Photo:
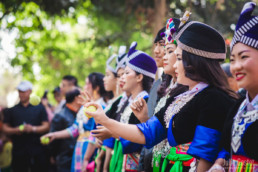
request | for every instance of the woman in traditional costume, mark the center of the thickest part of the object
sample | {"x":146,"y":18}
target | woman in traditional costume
{"x":110,"y":84}
{"x":161,"y":150}
{"x":137,"y":79}
{"x":194,"y":118}
{"x":82,"y":125}
{"x":240,"y":136}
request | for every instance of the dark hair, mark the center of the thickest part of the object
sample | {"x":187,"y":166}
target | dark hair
{"x":201,"y":69}
{"x":166,"y":80}
{"x":96,"y":80}
{"x":71,"y":79}
{"x":57,"y":90}
{"x":146,"y":82}
{"x":70,"y":95}
{"x":158,"y":36}
{"x":115,"y":74}
{"x":179,"y":89}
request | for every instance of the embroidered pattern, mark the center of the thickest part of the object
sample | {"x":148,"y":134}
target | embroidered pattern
{"x":73,"y":130}
{"x":81,"y":119}
{"x":162,"y":149}
{"x":183,"y":148}
{"x":131,"y":162}
{"x":242,"y":165}
{"x":161,"y":104}
{"x":127,"y":112}
{"x":78,"y":156}
{"x":239,"y":34}
{"x":242,"y":118}
{"x":126,"y":115}
{"x":122,"y":102}
{"x":176,"y":106}
{"x":201,"y":52}
{"x":247,"y":113}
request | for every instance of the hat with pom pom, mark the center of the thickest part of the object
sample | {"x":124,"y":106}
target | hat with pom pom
{"x":141,"y":62}
{"x":247,"y":27}
{"x":171,"y":28}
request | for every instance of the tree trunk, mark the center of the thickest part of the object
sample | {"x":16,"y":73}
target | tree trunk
{"x":159,"y":22}
{"x":160,"y":16}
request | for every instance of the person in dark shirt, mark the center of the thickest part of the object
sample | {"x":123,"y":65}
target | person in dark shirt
{"x":63,"y":149}
{"x":25,"y":124}
{"x":68,"y":83}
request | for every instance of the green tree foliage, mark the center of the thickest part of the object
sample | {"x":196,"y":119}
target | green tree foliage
{"x":72,"y":36}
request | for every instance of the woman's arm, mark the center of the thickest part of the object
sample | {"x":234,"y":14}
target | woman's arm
{"x":63,"y":134}
{"x":203,"y":165}
{"x":126,"y":131}
{"x":103,"y":133}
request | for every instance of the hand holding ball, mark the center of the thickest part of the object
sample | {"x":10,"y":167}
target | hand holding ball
{"x":89,"y":109}
{"x":34,"y":100}
{"x":21,"y":127}
{"x":44,"y":140}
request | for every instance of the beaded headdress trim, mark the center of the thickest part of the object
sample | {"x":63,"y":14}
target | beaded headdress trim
{"x":195,"y":51}
{"x":137,"y":69}
{"x":240,"y":37}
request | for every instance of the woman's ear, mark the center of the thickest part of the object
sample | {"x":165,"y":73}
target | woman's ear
{"x":139,"y":78}
{"x":97,"y":89}
{"x":95,"y":92}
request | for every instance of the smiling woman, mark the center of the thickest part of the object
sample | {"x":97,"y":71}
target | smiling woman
{"x":240,"y":131}
{"x":243,"y":64}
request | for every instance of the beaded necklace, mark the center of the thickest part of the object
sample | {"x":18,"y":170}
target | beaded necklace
{"x":127,"y":112}
{"x":161,"y":149}
{"x":180,"y":101}
{"x":247,"y":113}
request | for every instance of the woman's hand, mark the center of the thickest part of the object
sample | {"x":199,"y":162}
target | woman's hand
{"x":51,"y":136}
{"x":140,"y":109}
{"x":101,"y":133}
{"x":98,"y":143}
{"x":219,"y":165}
{"x":99,"y":115}
{"x":84,"y":98}
{"x":216,"y":168}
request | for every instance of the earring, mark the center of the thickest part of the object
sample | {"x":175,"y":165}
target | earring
{"x":94,"y":94}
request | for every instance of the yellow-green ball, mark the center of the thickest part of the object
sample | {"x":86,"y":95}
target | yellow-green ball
{"x":21,"y":127}
{"x":89,"y":109}
{"x":34,"y":100}
{"x":45,"y":140}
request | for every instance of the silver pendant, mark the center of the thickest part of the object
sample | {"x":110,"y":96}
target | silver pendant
{"x":235,"y":143}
